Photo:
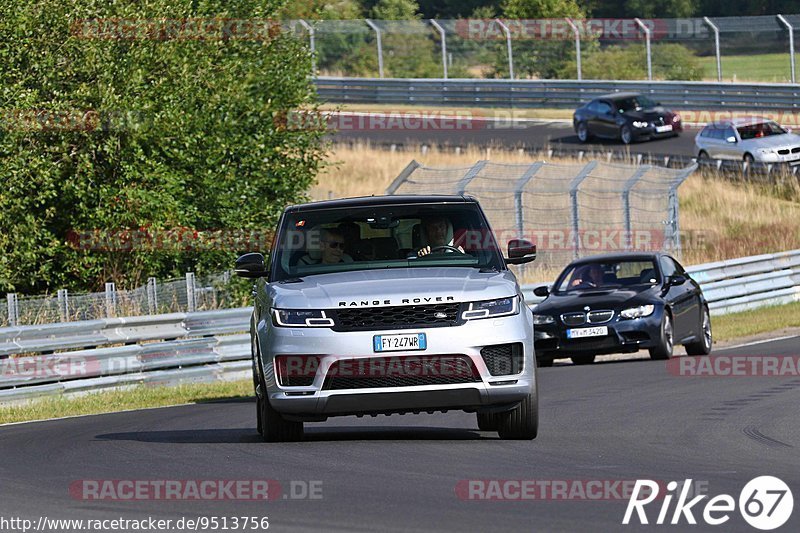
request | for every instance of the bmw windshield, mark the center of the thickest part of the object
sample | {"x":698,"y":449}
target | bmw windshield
{"x":320,"y":241}
{"x":607,"y":276}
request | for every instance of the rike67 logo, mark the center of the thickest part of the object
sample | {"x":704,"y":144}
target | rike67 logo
{"x":765,"y":503}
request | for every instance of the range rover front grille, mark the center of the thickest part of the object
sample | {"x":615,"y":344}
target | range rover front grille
{"x":382,"y":372}
{"x":396,"y":317}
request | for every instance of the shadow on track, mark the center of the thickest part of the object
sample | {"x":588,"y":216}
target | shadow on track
{"x":312,"y":434}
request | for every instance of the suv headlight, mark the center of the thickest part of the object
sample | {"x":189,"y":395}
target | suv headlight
{"x":638,"y":124}
{"x":301,"y":318}
{"x":540,"y":320}
{"x":638,"y":312}
{"x":492,"y":308}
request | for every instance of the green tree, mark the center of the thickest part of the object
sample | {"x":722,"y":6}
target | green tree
{"x":181,"y":132}
{"x":670,"y":62}
{"x":535,"y":9}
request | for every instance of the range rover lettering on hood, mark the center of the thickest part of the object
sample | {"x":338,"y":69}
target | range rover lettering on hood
{"x":408,"y":301}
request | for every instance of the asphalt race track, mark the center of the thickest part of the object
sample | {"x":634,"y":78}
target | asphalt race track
{"x":618,"y":420}
{"x":529,"y":134}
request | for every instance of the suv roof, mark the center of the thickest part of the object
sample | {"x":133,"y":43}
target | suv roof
{"x":366,"y":201}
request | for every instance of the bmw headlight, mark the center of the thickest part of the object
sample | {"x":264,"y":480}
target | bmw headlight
{"x":492,"y":308}
{"x":301,"y":318}
{"x":638,"y":312}
{"x":540,"y":320}
{"x":638,"y":124}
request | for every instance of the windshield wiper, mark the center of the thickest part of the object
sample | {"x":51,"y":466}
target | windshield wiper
{"x":292,"y":280}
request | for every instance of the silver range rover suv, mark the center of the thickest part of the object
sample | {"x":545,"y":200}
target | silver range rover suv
{"x":393,"y":304}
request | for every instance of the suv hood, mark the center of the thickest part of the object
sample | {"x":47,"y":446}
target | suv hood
{"x":387,"y":287}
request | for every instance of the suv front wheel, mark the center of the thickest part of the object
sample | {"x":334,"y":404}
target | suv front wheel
{"x":522,"y":422}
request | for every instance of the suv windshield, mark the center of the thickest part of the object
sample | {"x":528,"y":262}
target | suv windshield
{"x":634,"y":103}
{"x":762,"y":129}
{"x":609,"y":275}
{"x":319,"y":241}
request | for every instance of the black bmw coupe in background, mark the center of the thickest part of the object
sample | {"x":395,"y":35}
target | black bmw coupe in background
{"x":628,"y":117}
{"x":617,"y":303}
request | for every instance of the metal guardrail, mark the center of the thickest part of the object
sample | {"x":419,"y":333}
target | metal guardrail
{"x":212,"y":345}
{"x":567,"y":94}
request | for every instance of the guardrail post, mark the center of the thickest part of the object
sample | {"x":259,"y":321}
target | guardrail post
{"x":469,"y":176}
{"x":312,"y":45}
{"x":152,"y":296}
{"x":191,"y":304}
{"x":715,"y":29}
{"x":577,"y":47}
{"x":380,"y":45}
{"x":63,"y":305}
{"x":508,"y":48}
{"x":13,"y":309}
{"x":646,"y":32}
{"x":518,"y":190}
{"x":111,"y":299}
{"x":573,"y":195}
{"x":626,"y":203}
{"x":791,"y":42}
{"x":443,"y":36}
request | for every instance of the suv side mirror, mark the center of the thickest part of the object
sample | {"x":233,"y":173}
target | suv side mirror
{"x":541,"y":291}
{"x":520,"y":251}
{"x":250,"y":266}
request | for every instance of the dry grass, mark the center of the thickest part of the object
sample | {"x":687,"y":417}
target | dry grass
{"x":720,"y":219}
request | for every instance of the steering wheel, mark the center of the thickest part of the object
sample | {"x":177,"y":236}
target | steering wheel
{"x":446,"y":247}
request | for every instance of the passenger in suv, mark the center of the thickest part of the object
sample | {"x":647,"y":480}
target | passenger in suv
{"x":390,"y":331}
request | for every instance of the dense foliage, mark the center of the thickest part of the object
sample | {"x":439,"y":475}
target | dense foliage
{"x":112,"y":130}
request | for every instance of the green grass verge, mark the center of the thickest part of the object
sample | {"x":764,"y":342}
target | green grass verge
{"x":771,"y":68}
{"x":764,"y":320}
{"x":120,"y":400}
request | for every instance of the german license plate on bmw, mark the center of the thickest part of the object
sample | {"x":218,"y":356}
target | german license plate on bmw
{"x":664,"y":128}
{"x":399,"y":343}
{"x":599,"y":331}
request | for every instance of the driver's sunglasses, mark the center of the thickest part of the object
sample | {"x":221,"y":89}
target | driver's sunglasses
{"x":335,"y":244}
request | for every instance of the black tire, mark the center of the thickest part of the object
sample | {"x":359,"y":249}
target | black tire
{"x":665,"y":342}
{"x":521,"y":423}
{"x":582,"y":359}
{"x":488,"y":421}
{"x":626,"y":134}
{"x":703,"y":346}
{"x":703,"y":156}
{"x":749,"y":159}
{"x":544,"y":362}
{"x":582,"y":130}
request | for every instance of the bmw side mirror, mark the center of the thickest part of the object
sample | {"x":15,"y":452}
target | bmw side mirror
{"x":520,"y":251}
{"x":676,"y":280}
{"x":731,"y":139}
{"x":250,"y":266}
{"x":541,"y":291}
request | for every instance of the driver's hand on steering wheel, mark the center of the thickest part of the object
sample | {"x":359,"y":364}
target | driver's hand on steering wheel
{"x":425,"y":250}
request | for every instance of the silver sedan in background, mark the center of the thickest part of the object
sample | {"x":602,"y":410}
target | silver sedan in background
{"x":750,"y":139}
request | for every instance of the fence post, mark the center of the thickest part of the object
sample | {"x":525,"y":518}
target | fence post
{"x":312,"y":45}
{"x":380,"y":45}
{"x":152,"y":296}
{"x":715,"y":29}
{"x":577,"y":47}
{"x":508,"y":48}
{"x":673,"y":239}
{"x":443,"y":35}
{"x":63,"y":305}
{"x":518,"y":189}
{"x":646,"y":31}
{"x":191,"y":305}
{"x":111,"y":299}
{"x":791,"y":42}
{"x":403,"y":176}
{"x":13,"y":309}
{"x":573,"y":195}
{"x":626,"y":203}
{"x":469,"y":176}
